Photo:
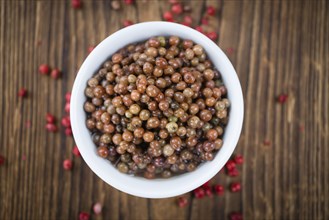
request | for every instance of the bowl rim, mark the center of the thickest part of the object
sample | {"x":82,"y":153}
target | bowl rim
{"x":156,"y":188}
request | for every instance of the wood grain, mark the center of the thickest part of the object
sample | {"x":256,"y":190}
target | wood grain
{"x":278,"y":47}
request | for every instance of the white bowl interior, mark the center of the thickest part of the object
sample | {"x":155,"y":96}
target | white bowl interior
{"x":138,"y":186}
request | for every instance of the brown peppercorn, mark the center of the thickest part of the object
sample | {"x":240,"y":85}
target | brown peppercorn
{"x":189,"y":78}
{"x":194,"y":109}
{"x":90,"y":123}
{"x":181,"y":85}
{"x":103,"y":151}
{"x":208,"y":74}
{"x":188,"y":92}
{"x":148,"y":136}
{"x":135,"y":95}
{"x":116,"y":139}
{"x":152,"y":91}
{"x":163,"y":105}
{"x":176,"y":143}
{"x":193,"y":122}
{"x":163,"y":134}
{"x":207,"y":92}
{"x":117,"y":101}
{"x":138,"y":132}
{"x":108,"y":128}
{"x":148,"y":68}
{"x":144,"y":115}
{"x":161,"y":83}
{"x":209,"y":156}
{"x":210,"y":101}
{"x":97,"y":101}
{"x":153,"y":42}
{"x":122,"y":167}
{"x":189,"y":54}
{"x":127,"y":136}
{"x":218,"y":144}
{"x":161,"y":62}
{"x":93,"y":82}
{"x":153,"y":122}
{"x":205,"y":115}
{"x":151,"y":52}
{"x":99,"y":91}
{"x":221,"y":114}
{"x":106,"y":118}
{"x":198,"y":50}
{"x":187,"y":44}
{"x":89,"y":107}
{"x":174,"y":40}
{"x":134,"y":109}
{"x":176,"y":77}
{"x":179,"y":97}
{"x":117,"y":58}
{"x":181,"y":131}
{"x":212,"y":134}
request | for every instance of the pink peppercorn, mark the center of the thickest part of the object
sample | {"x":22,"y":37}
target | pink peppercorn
{"x":266,"y":142}
{"x":2,"y":160}
{"x":76,"y":151}
{"x":28,"y":124}
{"x":199,"y":28}
{"x":68,"y":97}
{"x":188,"y":20}
{"x":230,"y":165}
{"x":219,"y":189}
{"x":206,"y":184}
{"x":84,"y":216}
{"x":67,"y":164}
{"x":50,"y":118}
{"x":229,"y":51}
{"x":55,"y":73}
{"x":199,"y":193}
{"x":186,"y":24}
{"x":204,"y":21}
{"x":168,"y":16}
{"x":234,"y":172}
{"x":177,"y":8}
{"x":51,"y":127}
{"x":91,"y":48}
{"x":97,"y":208}
{"x":282,"y":98}
{"x":76,"y":4}
{"x":212,"y":35}
{"x":129,"y":2}
{"x":127,"y":23}
{"x":238,"y":159}
{"x":68,"y":131}
{"x":44,"y":69}
{"x":208,"y":191}
{"x":67,"y":108}
{"x":182,"y":202}
{"x":66,"y":122}
{"x":236,"y":216}
{"x":235,"y":187}
{"x":173,"y":1}
{"x":211,"y":10}
{"x":22,"y":92}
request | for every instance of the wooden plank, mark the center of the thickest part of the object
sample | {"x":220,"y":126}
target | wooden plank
{"x":278,"y":47}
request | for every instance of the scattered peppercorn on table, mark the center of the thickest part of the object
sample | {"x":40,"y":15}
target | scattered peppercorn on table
{"x":279,"y":169}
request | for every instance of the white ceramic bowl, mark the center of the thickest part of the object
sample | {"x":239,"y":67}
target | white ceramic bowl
{"x":138,"y":186}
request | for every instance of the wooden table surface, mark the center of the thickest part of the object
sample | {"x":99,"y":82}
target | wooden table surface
{"x":276,"y":47}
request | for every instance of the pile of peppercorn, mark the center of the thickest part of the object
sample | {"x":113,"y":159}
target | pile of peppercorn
{"x":157,"y":108}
